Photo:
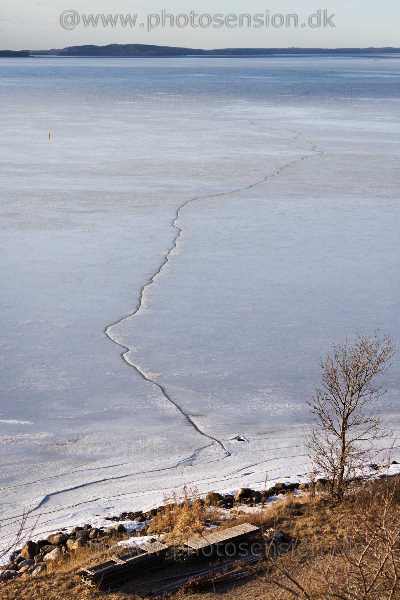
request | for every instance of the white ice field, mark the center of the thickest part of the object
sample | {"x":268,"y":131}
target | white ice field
{"x":220,"y":222}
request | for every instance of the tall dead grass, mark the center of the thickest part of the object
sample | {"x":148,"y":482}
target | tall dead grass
{"x":360,"y":562}
{"x":182,"y":516}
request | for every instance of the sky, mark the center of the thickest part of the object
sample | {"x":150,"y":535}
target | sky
{"x":43,"y":24}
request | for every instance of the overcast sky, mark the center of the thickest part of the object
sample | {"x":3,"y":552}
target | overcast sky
{"x":35,"y":24}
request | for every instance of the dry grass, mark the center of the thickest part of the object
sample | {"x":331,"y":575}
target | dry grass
{"x":62,"y":581}
{"x":182,"y":516}
{"x":351,"y":550}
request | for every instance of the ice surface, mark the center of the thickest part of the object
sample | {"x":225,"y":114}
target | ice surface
{"x":249,"y":215}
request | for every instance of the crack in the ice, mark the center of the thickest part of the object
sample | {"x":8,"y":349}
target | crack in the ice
{"x":9,"y":520}
{"x":126,"y":350}
{"x":50,"y":495}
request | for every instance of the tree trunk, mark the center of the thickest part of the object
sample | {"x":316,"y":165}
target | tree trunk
{"x":342,"y":464}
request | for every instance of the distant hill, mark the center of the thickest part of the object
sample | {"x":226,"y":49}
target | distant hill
{"x":14,"y":53}
{"x":147,"y":50}
{"x":123,"y":50}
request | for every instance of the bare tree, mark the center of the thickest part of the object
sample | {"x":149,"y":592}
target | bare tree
{"x":345,"y":430}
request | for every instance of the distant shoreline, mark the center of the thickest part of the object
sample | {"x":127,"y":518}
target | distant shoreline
{"x":145,"y":50}
{"x":15,"y":53}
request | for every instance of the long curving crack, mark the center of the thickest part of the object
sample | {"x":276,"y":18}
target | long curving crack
{"x":126,"y":350}
{"x":314,"y":151}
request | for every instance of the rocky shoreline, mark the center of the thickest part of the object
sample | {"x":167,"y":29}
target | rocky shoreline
{"x":36,"y":557}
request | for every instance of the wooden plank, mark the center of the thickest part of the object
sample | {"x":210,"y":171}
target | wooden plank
{"x":232,"y":569}
{"x":153,"y":547}
{"x":121,"y":566}
{"x":221,"y":537}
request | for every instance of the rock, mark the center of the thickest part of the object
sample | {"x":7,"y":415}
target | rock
{"x":257,"y":497}
{"x":227,"y":501}
{"x":139,"y":517}
{"x":46,"y":549}
{"x":26,"y":563}
{"x":119,"y":528}
{"x":57,"y":539}
{"x":101,"y":533}
{"x":53,"y":556}
{"x":83,"y":534}
{"x":15,"y":555}
{"x":8,"y":574}
{"x":244,"y":493}
{"x":394,"y":462}
{"x":213,"y":499}
{"x":150,"y":514}
{"x":94,"y":533}
{"x":29,"y":550}
{"x":304,"y":486}
{"x":38,"y":558}
{"x":76,"y":530}
{"x":280,"y":486}
{"x":39,"y":570}
{"x":74,"y":545}
{"x":292,"y":486}
{"x":24,"y":569}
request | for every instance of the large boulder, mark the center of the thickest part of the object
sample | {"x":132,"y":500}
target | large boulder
{"x":46,"y":549}
{"x":53,"y":556}
{"x":29,"y":550}
{"x":119,"y":528}
{"x":290,"y":487}
{"x":25,"y":569}
{"x":26,"y":563}
{"x":150,"y":514}
{"x":244,"y":494}
{"x":15,"y":555}
{"x":39,"y":570}
{"x":76,"y":530}
{"x":213,"y":499}
{"x":73,"y":545}
{"x":57,"y":539}
{"x":8,"y":574}
{"x":94,"y":533}
{"x":247,"y":496}
{"x":138,"y":516}
{"x":83,"y":534}
{"x":227,"y":501}
{"x":280,"y":486}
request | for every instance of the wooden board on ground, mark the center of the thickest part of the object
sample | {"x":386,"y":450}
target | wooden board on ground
{"x":120,"y":568}
{"x":224,"y":536}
